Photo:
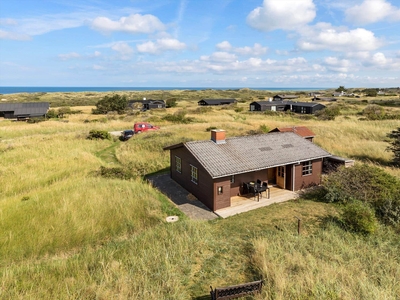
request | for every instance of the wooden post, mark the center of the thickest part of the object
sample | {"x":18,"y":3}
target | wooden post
{"x":298,"y":225}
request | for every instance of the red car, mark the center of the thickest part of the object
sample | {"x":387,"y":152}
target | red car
{"x":144,"y":126}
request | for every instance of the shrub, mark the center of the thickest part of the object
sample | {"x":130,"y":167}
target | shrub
{"x":395,"y":145}
{"x":115,"y":103}
{"x":99,"y":135}
{"x":178,"y":117}
{"x":171,"y":102}
{"x":374,"y":112}
{"x":328,"y":113}
{"x":359,"y":217}
{"x":388,"y":211}
{"x":115,"y":173}
{"x":361,"y":182}
{"x":239,"y":109}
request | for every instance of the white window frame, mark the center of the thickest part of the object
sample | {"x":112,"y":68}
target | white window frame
{"x":178,"y":164}
{"x":307,"y":168}
{"x":194,"y":174}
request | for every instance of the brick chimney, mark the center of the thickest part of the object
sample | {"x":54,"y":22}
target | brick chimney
{"x":218,"y":136}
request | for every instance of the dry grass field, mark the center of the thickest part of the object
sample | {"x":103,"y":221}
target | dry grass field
{"x":69,"y":233}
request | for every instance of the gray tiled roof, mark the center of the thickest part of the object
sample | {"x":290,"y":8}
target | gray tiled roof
{"x":252,"y":153}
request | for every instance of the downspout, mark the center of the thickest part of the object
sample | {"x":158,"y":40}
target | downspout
{"x":294,"y":177}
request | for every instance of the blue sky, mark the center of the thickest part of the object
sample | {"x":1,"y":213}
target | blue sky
{"x":200,"y":43}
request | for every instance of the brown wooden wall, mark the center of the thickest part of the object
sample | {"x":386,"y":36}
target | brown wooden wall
{"x":203,"y":190}
{"x":307,"y":180}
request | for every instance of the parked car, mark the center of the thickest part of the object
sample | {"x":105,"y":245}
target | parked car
{"x":144,"y":126}
{"x":127,"y":134}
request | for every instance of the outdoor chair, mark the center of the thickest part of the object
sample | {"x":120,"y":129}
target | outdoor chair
{"x":266,"y":188}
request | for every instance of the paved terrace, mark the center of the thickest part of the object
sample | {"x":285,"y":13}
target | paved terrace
{"x":196,"y":210}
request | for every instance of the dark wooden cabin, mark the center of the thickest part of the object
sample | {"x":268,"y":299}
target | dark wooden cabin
{"x":284,"y":97}
{"x":216,"y":101}
{"x":215,"y":170}
{"x":146,"y":104}
{"x":268,"y":105}
{"x":23,"y":110}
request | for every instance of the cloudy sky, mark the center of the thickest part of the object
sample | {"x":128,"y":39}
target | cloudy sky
{"x":200,"y":43}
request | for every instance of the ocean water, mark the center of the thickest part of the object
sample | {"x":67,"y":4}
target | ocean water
{"x":71,"y":89}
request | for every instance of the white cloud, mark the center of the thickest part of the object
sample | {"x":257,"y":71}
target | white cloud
{"x":224,"y":46}
{"x":219,"y":56}
{"x":8,"y":22}
{"x":160,"y":46}
{"x":71,"y":55}
{"x":371,"y":11}
{"x":256,"y":50}
{"x":123,"y":49}
{"x":338,"y":65}
{"x":134,"y":23}
{"x":74,"y":55}
{"x":98,"y":67}
{"x":324,"y":36}
{"x":282,"y":14}
{"x":6,"y":35}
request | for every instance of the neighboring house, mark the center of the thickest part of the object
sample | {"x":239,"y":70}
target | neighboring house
{"x":146,"y":104}
{"x":284,"y":97}
{"x":268,"y":105}
{"x":23,"y":110}
{"x":339,"y":94}
{"x":314,"y":94}
{"x":380,"y":93}
{"x":302,"y":131}
{"x":215,"y":170}
{"x":216,"y":101}
{"x":305,"y":107}
{"x":329,"y":99}
{"x":297,"y":107}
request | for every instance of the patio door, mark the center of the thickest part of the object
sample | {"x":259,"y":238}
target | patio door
{"x":281,"y":176}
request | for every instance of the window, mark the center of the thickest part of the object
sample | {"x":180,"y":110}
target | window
{"x":220,"y":190}
{"x":193,"y":174}
{"x":303,"y":110}
{"x":281,"y":172}
{"x":307,"y":168}
{"x":233,"y":179}
{"x":178,"y":164}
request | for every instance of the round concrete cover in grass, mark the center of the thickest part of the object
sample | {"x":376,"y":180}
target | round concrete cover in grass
{"x":171,"y":219}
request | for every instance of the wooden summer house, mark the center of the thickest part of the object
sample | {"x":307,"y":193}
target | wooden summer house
{"x":208,"y":102}
{"x":302,"y":131}
{"x":296,"y":107}
{"x":23,"y":110}
{"x":284,"y":97}
{"x":215,"y":170}
{"x":146,"y":104}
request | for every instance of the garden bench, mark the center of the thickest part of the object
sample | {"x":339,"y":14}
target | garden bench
{"x":236,"y":291}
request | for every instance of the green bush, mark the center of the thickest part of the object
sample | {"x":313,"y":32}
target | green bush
{"x":115,"y":173}
{"x":374,"y":112}
{"x":361,"y":182}
{"x":99,"y":135}
{"x":178,"y":117}
{"x":171,"y":102}
{"x":328,"y":113}
{"x":367,"y":184}
{"x":115,"y":103}
{"x":359,"y":217}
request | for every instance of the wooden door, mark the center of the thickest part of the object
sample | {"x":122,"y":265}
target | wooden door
{"x":281,"y":176}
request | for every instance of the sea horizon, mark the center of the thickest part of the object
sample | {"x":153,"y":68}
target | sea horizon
{"x":4,"y":90}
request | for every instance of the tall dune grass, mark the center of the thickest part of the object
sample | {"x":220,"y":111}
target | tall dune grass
{"x":330,"y":264}
{"x":67,"y":233}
